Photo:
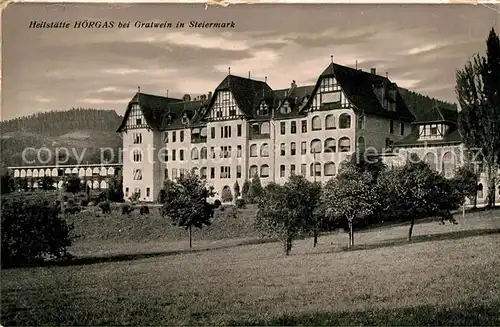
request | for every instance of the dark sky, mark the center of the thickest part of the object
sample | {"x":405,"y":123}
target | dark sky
{"x":421,"y":46}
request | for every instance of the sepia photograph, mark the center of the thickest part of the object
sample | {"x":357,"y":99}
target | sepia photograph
{"x":250,"y":165}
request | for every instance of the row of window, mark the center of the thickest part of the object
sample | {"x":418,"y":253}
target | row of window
{"x":137,"y":191}
{"x":316,"y":146}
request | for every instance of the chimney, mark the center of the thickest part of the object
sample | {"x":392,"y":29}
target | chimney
{"x":373,"y":71}
{"x":209,"y":94}
{"x":186,"y":98}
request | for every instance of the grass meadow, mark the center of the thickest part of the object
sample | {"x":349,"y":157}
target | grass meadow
{"x":139,"y":270}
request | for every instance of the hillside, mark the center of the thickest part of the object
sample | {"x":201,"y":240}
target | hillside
{"x":82,"y":131}
{"x":418,"y":103}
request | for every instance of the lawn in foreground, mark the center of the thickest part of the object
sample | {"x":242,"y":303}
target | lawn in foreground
{"x":454,"y":280}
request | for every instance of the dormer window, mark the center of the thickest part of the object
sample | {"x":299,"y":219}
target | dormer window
{"x":263,"y":109}
{"x":285,"y":108}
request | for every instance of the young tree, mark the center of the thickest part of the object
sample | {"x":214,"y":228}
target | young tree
{"x":349,"y":196}
{"x":186,"y":203}
{"x":236,"y":188}
{"x":478,"y":91}
{"x":287,"y":211}
{"x":465,"y":182}
{"x":114,"y":193}
{"x":255,"y":190}
{"x":245,"y":188}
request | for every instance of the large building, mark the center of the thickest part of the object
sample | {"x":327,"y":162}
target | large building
{"x":245,"y":128}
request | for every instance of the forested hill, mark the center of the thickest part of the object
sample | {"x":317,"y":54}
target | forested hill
{"x":419,"y":103}
{"x":55,"y":123}
{"x":82,"y":131}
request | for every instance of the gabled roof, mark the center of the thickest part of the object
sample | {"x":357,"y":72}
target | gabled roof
{"x":358,"y":88}
{"x":153,"y":108}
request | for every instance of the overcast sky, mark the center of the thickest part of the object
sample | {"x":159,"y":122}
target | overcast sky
{"x":420,"y":46}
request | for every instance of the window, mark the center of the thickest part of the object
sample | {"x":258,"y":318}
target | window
{"x":126,"y":191}
{"x":203,"y":172}
{"x":316,"y":123}
{"x":264,"y":171}
{"x":329,"y":169}
{"x":282,"y":149}
{"x":174,"y":172}
{"x":203,"y":132}
{"x":361,"y":121}
{"x":293,"y":127}
{"x":303,"y":147}
{"x":434,"y":130}
{"x":264,"y":150}
{"x":238,"y":130}
{"x":345,"y":121}
{"x":212,"y":172}
{"x":212,"y":132}
{"x":330,"y":145}
{"x":329,"y":122}
{"x":181,"y":136}
{"x":292,"y":169}
{"x":181,"y":155}
{"x":137,"y":191}
{"x":315,"y":146}
{"x":345,"y":144}
{"x":212,"y":152}
{"x":255,"y":129}
{"x":181,"y":172}
{"x":331,"y":97}
{"x":303,"y":169}
{"x":253,"y":150}
{"x":173,"y":155}
{"x":283,"y":127}
{"x":282,"y":171}
{"x":430,"y":159}
{"x":225,"y":152}
{"x":137,"y":138}
{"x":138,"y":121}
{"x":148,"y":191}
{"x":195,"y":171}
{"x":137,"y":174}
{"x":480,"y":191}
{"x":194,"y":154}
{"x":263,"y":109}
{"x":449,"y":164}
{"x":173,"y":136}
{"x":303,"y":126}
{"x":225,"y":132}
{"x":165,"y":174}
{"x":225,"y":172}
{"x":165,"y":137}
{"x":203,"y":153}
{"x":316,"y":169}
{"x":264,"y":128}
{"x":293,"y":148}
{"x":391,"y":127}
{"x":238,"y":151}
{"x":253,"y":171}
{"x":238,"y":171}
{"x":361,"y":144}
{"x":402,"y":129}
{"x":137,"y":156}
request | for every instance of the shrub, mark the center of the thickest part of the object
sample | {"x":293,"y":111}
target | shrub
{"x":126,"y":209}
{"x":105,"y":207}
{"x":226,"y":195}
{"x":144,"y":210}
{"x":217,"y":203}
{"x":84,"y":203}
{"x":240,"y":203}
{"x":31,"y":231}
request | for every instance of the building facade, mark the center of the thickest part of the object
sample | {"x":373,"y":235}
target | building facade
{"x":436,"y":140}
{"x":245,"y":128}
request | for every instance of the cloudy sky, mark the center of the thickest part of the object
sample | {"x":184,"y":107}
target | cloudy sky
{"x":420,"y":46}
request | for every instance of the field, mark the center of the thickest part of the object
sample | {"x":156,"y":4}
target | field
{"x":147,"y":275}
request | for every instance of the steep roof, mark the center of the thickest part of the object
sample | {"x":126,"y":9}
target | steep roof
{"x":153,"y":108}
{"x":246,"y":92}
{"x":358,"y":88}
{"x":437,"y":115}
{"x":453,"y":136}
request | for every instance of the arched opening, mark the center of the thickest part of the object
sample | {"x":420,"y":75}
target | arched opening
{"x":345,"y":121}
{"x":330,"y":122}
{"x":361,"y":144}
{"x":104,"y":185}
{"x":329,"y":168}
{"x":81,"y":172}
{"x":480,"y":193}
{"x":315,"y":169}
{"x":264,"y":150}
{"x":35,"y":172}
{"x":345,"y":144}
{"x":449,"y":164}
{"x":194,"y":154}
{"x":264,"y":128}
{"x":330,"y":145}
{"x":316,"y":146}
{"x":252,"y":171}
{"x":430,"y":159}
{"x":316,"y":123}
{"x":264,"y":171}
{"x":253,"y":150}
{"x":88,"y":172}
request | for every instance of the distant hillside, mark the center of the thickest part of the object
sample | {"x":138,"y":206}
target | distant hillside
{"x":418,"y":103}
{"x":82,"y":131}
